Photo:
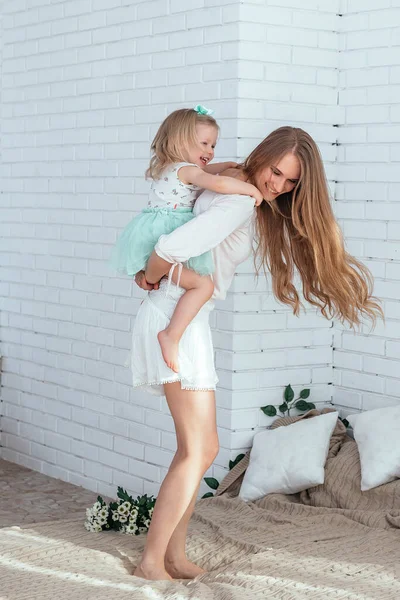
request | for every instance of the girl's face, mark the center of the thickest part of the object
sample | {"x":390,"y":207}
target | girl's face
{"x":203,"y":152}
{"x":279,"y":178}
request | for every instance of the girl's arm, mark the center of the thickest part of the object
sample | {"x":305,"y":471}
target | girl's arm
{"x":216,"y":168}
{"x":219,"y":184}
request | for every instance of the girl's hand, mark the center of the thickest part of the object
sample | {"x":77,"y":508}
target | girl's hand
{"x":257,"y":195}
{"x":141,"y":281}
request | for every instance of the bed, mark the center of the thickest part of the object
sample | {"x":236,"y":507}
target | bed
{"x":329,"y":542}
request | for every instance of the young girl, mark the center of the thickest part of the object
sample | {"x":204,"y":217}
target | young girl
{"x":182,"y":149}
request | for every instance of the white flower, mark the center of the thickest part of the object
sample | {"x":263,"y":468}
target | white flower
{"x":126,"y":504}
{"x":89,"y":512}
{"x":92,"y":527}
{"x":123,"y":519}
{"x":115,"y":515}
{"x":151,"y":511}
{"x":147,"y":522}
{"x":142,"y":529}
{"x":102,"y":520}
{"x":122,"y":510}
{"x":104,"y":512}
{"x":96,"y":506}
{"x":131,"y":528}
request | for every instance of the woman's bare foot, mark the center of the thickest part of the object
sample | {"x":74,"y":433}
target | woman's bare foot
{"x":152,"y":572}
{"x":183,"y":569}
{"x":169,"y":349}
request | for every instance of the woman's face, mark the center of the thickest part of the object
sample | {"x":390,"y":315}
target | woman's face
{"x":279,"y":178}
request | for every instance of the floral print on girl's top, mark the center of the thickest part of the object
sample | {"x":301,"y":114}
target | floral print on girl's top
{"x":169,"y":192}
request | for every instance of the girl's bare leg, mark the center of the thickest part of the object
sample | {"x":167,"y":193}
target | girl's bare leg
{"x":197,"y":445}
{"x":199,"y":290}
{"x":156,"y":268}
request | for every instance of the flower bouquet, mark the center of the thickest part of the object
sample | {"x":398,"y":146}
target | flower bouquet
{"x":126,"y":514}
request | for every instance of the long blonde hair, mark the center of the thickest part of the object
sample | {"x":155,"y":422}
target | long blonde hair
{"x":298,"y":229}
{"x":174,"y":137}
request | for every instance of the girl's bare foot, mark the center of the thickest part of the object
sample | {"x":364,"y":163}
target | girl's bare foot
{"x":152,"y":572}
{"x":169,"y":349}
{"x":183,"y":569}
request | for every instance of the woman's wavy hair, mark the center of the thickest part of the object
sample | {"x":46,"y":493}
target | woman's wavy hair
{"x":176,"y":134}
{"x":298,"y":229}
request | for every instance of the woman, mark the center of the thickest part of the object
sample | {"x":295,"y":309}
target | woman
{"x":294,"y":227}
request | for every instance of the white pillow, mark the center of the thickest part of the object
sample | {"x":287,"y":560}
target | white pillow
{"x":377,"y":433}
{"x":288,"y":459}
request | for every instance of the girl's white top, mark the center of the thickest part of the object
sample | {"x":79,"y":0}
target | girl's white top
{"x":169,"y":191}
{"x":223,"y":224}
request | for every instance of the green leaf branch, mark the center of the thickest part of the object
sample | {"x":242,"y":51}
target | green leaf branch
{"x":289,"y":403}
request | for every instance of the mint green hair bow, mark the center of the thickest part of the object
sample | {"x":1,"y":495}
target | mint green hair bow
{"x":202,"y":110}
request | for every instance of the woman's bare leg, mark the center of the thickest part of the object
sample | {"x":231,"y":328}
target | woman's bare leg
{"x":176,"y":561}
{"x":194,"y":416}
{"x":199,"y":290}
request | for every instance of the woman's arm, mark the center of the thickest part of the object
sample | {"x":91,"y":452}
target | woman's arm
{"x":207,"y":230}
{"x":219,"y":184}
{"x":217,"y":168}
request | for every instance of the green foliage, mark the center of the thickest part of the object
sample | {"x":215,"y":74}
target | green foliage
{"x":289,"y":403}
{"x":288,"y":394}
{"x":303,"y":406}
{"x":211,"y":482}
{"x":269,"y":410}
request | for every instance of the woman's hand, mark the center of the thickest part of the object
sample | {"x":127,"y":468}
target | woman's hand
{"x":141,"y":281}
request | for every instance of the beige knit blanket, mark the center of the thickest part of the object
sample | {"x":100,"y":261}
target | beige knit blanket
{"x":279,"y":547}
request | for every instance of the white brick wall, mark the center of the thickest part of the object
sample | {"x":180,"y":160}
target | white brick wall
{"x":367,"y":199}
{"x":288,"y":74}
{"x":84,"y":88}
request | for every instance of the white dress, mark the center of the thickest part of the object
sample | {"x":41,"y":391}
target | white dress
{"x":170,"y":206}
{"x":223,"y":224}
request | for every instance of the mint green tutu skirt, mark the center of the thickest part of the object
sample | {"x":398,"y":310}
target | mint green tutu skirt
{"x":137,"y":241}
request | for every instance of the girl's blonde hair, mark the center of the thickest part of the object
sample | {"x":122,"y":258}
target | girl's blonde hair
{"x":298,"y":229}
{"x":176,"y":134}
